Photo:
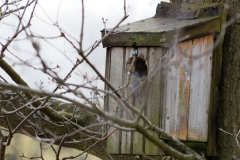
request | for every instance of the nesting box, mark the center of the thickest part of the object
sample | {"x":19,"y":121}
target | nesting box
{"x":184,"y":65}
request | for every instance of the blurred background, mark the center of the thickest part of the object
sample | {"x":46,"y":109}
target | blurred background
{"x":68,"y":16}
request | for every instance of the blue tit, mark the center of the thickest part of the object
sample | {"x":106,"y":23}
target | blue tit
{"x":135,"y":84}
{"x":139,"y":72}
{"x":134,"y":52}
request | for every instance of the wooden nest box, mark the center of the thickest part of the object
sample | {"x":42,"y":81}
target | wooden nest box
{"x":182,"y":49}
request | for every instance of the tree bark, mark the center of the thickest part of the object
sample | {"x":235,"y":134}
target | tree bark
{"x":3,"y":140}
{"x":229,"y":90}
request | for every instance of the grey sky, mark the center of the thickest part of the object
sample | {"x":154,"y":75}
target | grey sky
{"x":68,"y":16}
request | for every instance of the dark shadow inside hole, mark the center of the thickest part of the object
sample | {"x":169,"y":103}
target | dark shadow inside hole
{"x":140,"y":66}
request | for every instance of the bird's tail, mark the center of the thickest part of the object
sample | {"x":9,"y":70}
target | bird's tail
{"x":135,"y":85}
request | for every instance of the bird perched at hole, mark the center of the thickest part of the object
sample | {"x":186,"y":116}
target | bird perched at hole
{"x":138,"y":70}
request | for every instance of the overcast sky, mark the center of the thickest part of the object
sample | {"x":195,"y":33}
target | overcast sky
{"x":68,"y":16}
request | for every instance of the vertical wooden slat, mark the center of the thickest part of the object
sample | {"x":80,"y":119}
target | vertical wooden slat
{"x":200,"y":88}
{"x":153,"y":104}
{"x":216,"y":75}
{"x":107,"y":76}
{"x":171,"y":92}
{"x":178,"y":88}
{"x":137,"y":137}
{"x":126,"y":135}
{"x":116,"y":81}
{"x":163,"y":96}
{"x":179,"y":96}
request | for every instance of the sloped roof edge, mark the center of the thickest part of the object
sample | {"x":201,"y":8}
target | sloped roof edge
{"x":167,"y":22}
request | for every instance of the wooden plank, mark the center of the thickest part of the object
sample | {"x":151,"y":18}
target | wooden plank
{"x":191,"y":144}
{"x":163,"y":96}
{"x":107,"y":76}
{"x":137,"y":137}
{"x":126,"y":135}
{"x":134,"y":157}
{"x":153,"y":104}
{"x":200,"y":89}
{"x":163,"y":25}
{"x":171,"y":92}
{"x":216,"y":75}
{"x":178,"y":88}
{"x":155,"y":36}
{"x":116,"y":80}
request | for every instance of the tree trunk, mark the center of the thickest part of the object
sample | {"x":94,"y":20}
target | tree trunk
{"x":229,"y":88}
{"x":229,"y":109}
{"x":3,"y":140}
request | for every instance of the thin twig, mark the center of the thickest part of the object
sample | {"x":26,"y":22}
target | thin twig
{"x":82,"y":28}
{"x":60,"y":146}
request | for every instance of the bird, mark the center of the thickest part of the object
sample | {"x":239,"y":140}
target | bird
{"x":139,"y":71}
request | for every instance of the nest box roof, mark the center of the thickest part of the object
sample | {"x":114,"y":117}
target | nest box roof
{"x":171,"y":23}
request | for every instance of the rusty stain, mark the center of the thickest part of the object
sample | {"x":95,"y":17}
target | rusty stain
{"x":179,"y":128}
{"x":184,"y":92}
{"x":189,"y":55}
{"x":184,"y":46}
{"x":174,"y":63}
{"x":184,"y":105}
{"x":182,"y":75}
{"x":189,"y":62}
{"x":200,"y":89}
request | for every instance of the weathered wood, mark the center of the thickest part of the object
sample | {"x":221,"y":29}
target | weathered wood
{"x":171,"y":93}
{"x":178,"y":87}
{"x":137,"y":137}
{"x":163,"y":112}
{"x":200,"y":88}
{"x":199,"y":147}
{"x":142,"y":157}
{"x":214,"y":101}
{"x":216,"y":74}
{"x":179,"y":97}
{"x":163,"y":35}
{"x":161,"y":24}
{"x":107,"y":76}
{"x":126,"y":135}
{"x":153,"y":104}
{"x":113,"y":145}
{"x":182,"y":99}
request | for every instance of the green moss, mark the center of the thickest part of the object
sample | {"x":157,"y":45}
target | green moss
{"x":163,"y":39}
{"x":11,"y":72}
